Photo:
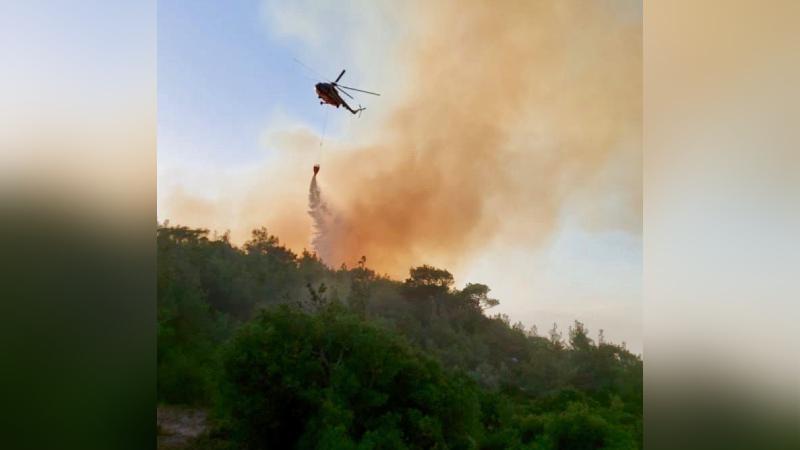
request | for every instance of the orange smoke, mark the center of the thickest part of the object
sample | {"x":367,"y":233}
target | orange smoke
{"x":517,"y":113}
{"x":512,"y":109}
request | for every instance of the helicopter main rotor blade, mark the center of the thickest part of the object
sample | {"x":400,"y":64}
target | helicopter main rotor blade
{"x":339,"y":77}
{"x":312,"y":70}
{"x":359,"y":90}
{"x":343,"y":92}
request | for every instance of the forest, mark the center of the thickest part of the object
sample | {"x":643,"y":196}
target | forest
{"x":285,"y":352}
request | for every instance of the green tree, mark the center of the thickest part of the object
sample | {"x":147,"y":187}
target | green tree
{"x":477,"y":296}
{"x":330,"y":380}
{"x":405,"y":364}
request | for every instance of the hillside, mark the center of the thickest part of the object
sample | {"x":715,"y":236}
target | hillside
{"x":286,"y":351}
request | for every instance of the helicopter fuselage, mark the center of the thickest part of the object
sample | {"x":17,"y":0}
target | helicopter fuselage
{"x":327,"y":93}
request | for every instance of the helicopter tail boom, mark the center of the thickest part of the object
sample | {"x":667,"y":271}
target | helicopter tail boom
{"x":354,"y":111}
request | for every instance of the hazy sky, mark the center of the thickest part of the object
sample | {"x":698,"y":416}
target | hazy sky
{"x":506,"y":145}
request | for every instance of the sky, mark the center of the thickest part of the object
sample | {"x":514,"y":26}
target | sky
{"x":505,"y":145}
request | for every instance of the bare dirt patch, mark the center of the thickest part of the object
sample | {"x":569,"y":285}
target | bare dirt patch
{"x":178,"y":426}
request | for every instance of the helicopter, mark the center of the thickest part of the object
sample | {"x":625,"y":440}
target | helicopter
{"x":329,"y":93}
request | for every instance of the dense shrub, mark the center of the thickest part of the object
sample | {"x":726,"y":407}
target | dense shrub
{"x":295,"y":354}
{"x":330,"y":380}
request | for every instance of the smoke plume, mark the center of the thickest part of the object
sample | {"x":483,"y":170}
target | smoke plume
{"x":511,"y":117}
{"x":513,"y":112}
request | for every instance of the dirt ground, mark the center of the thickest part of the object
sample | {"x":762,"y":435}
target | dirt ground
{"x":178,"y":426}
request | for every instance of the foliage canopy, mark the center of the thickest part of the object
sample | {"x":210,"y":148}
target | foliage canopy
{"x":293,"y":354}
